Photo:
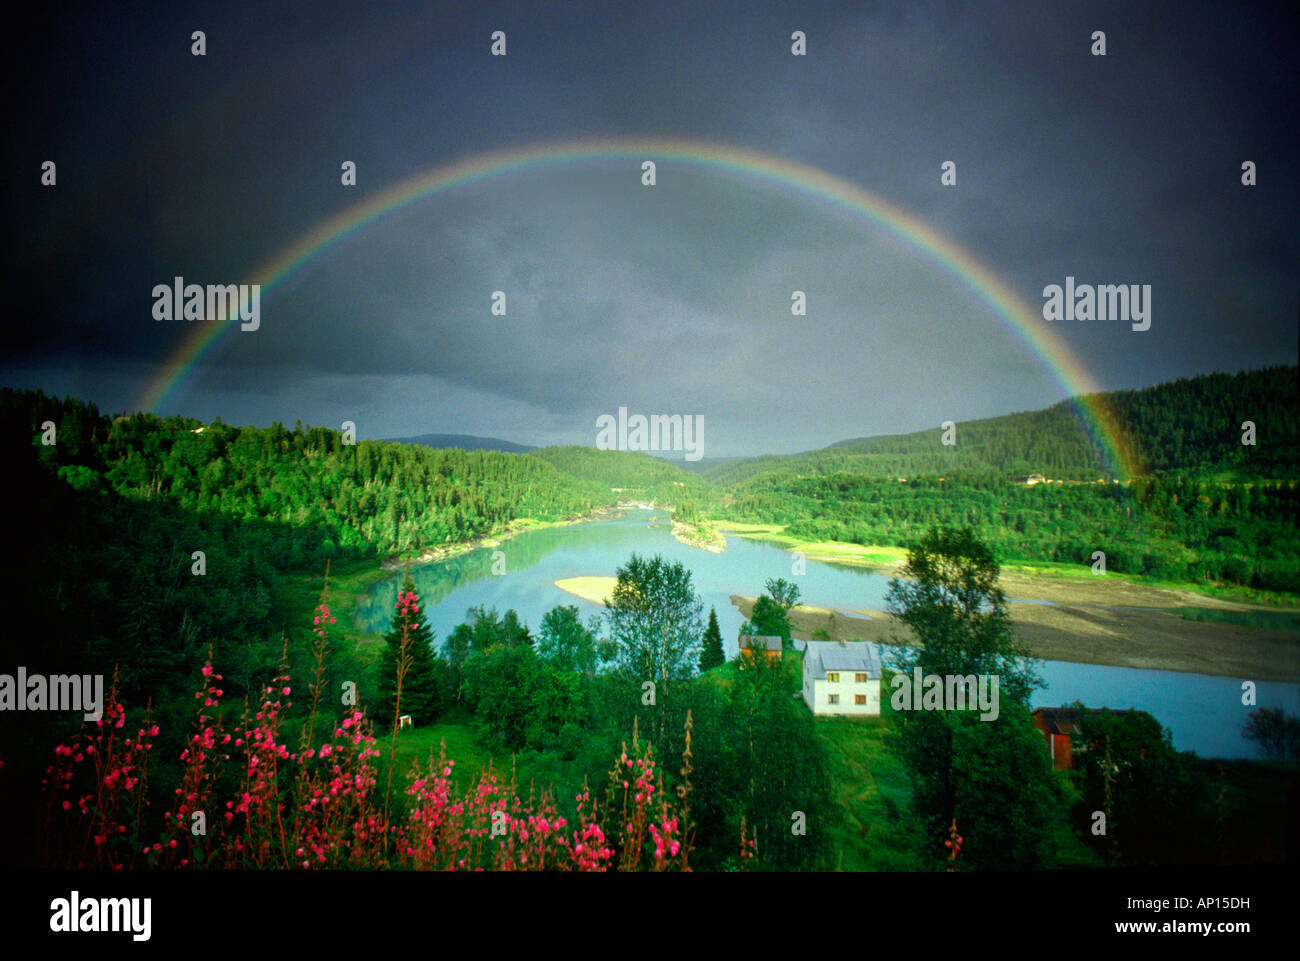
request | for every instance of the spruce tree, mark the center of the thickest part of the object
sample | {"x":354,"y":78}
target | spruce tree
{"x":421,"y":690}
{"x":712,"y":654}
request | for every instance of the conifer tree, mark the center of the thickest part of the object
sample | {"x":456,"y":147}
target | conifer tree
{"x":712,"y":655}
{"x":421,"y":690}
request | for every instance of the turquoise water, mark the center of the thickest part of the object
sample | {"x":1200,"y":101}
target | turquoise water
{"x":535,"y":560}
{"x":1204,"y":713}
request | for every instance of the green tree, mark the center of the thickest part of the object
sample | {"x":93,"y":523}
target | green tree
{"x":502,"y":685}
{"x":951,"y":600}
{"x":991,"y":776}
{"x":1276,"y":732}
{"x":654,"y":619}
{"x":514,"y":631}
{"x":565,"y":642}
{"x":783,"y":592}
{"x":1156,"y":805}
{"x":777,"y":770}
{"x":1004,"y":793}
{"x":712,"y":654}
{"x":410,"y":638}
{"x":769,"y":618}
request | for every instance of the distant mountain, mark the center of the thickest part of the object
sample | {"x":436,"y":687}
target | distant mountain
{"x":464,"y":442}
{"x":1192,"y":425}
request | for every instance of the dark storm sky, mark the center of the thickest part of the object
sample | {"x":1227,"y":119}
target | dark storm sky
{"x":1117,"y":169}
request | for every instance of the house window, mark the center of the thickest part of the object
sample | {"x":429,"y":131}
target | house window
{"x":832,"y":699}
{"x":860,"y":677}
{"x":833,"y":676}
{"x":859,"y":699}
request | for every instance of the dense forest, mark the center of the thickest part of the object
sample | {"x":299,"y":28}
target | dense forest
{"x":1188,"y":426}
{"x":1169,"y":527}
{"x":1206,"y":507}
{"x":639,"y":477}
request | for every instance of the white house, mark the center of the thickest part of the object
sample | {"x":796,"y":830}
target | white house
{"x":841,"y":677}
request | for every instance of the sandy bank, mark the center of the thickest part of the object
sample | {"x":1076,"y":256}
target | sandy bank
{"x":594,"y":589}
{"x":1090,"y":635}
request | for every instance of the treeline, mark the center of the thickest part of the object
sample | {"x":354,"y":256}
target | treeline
{"x":1168,"y":527}
{"x":133,"y":575}
{"x":1192,"y":426}
{"x":375,"y":495}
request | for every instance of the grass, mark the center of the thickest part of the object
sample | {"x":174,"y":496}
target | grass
{"x":538,"y":769}
{"x":876,"y":831}
{"x":1066,"y":850}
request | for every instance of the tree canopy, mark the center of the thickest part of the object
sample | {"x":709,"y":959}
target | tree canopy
{"x":654,"y":619}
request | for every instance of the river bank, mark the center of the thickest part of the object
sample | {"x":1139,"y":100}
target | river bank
{"x":1120,"y":637}
{"x":1056,"y":584}
{"x":520,"y":525}
{"x":702,"y":536}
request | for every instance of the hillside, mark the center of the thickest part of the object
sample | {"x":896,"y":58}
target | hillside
{"x":464,"y":442}
{"x":635,"y":476}
{"x":1190,"y":426}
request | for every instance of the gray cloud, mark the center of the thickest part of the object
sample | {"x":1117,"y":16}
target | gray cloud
{"x":677,"y":298}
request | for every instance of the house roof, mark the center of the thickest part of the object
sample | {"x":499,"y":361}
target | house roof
{"x":760,"y":642}
{"x":1065,"y":720}
{"x":1059,"y":720}
{"x":822,"y":656}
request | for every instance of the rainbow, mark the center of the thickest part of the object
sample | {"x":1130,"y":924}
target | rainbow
{"x":798,"y":179}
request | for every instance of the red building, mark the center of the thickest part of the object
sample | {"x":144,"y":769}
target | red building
{"x":1057,"y":724}
{"x":768,"y":644}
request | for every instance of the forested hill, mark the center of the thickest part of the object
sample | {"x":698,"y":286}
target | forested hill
{"x":1190,"y":426}
{"x":464,"y":442}
{"x":638,"y":476}
{"x":114,"y":518}
{"x":374,"y":496}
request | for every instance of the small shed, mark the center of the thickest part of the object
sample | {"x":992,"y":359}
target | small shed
{"x":769,"y":644}
{"x":1057,"y":724}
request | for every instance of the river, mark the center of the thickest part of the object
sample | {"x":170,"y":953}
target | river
{"x":1203,"y":713}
